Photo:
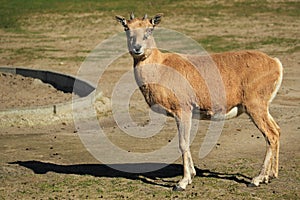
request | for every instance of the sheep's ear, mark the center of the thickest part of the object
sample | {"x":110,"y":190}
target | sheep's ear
{"x":145,"y":17}
{"x":131,"y":16}
{"x":122,"y":20}
{"x":156,"y":19}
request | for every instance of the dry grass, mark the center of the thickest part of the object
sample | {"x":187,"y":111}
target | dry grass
{"x":51,"y":162}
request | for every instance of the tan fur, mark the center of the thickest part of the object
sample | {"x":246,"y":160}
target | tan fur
{"x":250,"y":80}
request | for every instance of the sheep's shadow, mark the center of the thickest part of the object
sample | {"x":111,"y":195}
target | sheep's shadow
{"x":102,"y":170}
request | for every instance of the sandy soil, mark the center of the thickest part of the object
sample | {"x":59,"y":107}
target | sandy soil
{"x":17,"y":91}
{"x":50,"y":162}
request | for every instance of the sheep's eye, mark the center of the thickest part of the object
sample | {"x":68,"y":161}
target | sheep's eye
{"x":148,"y":33}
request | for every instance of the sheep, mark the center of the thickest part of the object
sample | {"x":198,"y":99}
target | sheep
{"x":250,"y":79}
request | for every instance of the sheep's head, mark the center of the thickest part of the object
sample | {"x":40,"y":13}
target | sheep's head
{"x":139,"y":34}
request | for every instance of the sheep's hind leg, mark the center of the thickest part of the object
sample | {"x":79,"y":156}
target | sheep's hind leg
{"x":265,"y":124}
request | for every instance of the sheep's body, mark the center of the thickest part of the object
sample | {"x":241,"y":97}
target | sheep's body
{"x":242,"y":73}
{"x":218,"y":85}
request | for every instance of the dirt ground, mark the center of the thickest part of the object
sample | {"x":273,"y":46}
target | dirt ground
{"x":50,"y":161}
{"x":17,"y":91}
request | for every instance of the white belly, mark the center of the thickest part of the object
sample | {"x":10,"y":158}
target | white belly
{"x":234,"y":112}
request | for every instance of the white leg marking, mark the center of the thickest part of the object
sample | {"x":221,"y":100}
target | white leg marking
{"x":264,"y":174}
{"x":184,"y":127}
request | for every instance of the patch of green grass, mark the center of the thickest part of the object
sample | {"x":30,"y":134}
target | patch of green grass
{"x":13,"y":11}
{"x":214,"y":43}
{"x":291,"y":44}
{"x":280,"y":41}
{"x":247,"y":8}
{"x":88,"y":182}
{"x":290,"y":8}
{"x":39,"y":52}
{"x":294,"y":49}
{"x":50,"y":187}
{"x":71,"y":58}
{"x":237,"y":8}
{"x":251,"y":7}
{"x":28,"y":53}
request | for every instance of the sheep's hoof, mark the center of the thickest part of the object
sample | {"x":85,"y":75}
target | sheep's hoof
{"x":252,"y":185}
{"x":178,"y":188}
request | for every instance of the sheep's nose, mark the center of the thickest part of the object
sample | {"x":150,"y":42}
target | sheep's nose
{"x":137,"y":49}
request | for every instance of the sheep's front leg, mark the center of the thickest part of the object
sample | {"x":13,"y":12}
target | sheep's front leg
{"x":184,"y":127}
